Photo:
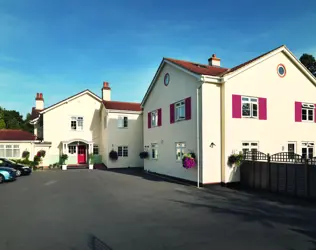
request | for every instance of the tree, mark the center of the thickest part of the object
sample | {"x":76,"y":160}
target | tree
{"x":12,"y":119}
{"x":309,"y":62}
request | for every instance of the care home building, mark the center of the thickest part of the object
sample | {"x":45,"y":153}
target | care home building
{"x":265,"y":104}
{"x":85,"y":124}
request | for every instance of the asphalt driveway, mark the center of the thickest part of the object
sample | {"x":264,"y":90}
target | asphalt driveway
{"x":101,"y":210}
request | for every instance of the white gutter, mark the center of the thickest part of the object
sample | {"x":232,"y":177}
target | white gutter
{"x":211,"y":79}
{"x":198,"y":135}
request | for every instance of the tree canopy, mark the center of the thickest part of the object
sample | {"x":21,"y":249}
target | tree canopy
{"x":12,"y":119}
{"x":309,"y":62}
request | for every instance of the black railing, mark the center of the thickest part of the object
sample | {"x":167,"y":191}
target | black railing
{"x":254,"y":156}
{"x":287,"y":157}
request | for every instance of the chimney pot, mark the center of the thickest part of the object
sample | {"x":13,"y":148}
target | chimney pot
{"x":105,"y":84}
{"x":214,"y":61}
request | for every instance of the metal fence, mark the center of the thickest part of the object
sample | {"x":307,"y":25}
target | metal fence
{"x":284,"y":172}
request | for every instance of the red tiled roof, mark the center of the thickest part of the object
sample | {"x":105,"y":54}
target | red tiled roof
{"x":248,"y":62}
{"x":16,"y":135}
{"x":130,"y":106}
{"x":35,"y":113}
{"x":198,"y":68}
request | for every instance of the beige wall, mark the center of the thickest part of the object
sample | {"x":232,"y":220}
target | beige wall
{"x":272,"y":134}
{"x":57,"y":122}
{"x":132,"y":136}
{"x":181,"y":86}
{"x":211,"y":131}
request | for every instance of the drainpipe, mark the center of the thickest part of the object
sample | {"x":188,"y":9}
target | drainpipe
{"x":198,"y":135}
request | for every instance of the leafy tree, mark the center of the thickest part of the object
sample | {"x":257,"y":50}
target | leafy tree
{"x":309,"y":62}
{"x":12,"y":119}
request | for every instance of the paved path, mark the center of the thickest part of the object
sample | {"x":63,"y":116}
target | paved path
{"x":102,"y":210}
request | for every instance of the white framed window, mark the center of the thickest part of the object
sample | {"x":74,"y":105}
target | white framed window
{"x":180,"y":110}
{"x":154,"y":151}
{"x":122,"y":122}
{"x":76,"y":123}
{"x":291,"y":149}
{"x":80,"y":123}
{"x":307,"y":150}
{"x":250,"y":146}
{"x":154,"y":118}
{"x":122,"y":151}
{"x":2,"y":152}
{"x":180,"y":148}
{"x":308,"y":112}
{"x":95,"y":149}
{"x":10,"y":151}
{"x":249,"y":107}
{"x":72,"y":149}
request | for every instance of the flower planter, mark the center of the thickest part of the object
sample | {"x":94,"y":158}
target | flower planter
{"x":90,"y":166}
{"x":64,"y":167}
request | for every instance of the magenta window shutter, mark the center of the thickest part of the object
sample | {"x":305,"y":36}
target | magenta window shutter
{"x":236,"y":106}
{"x":188,"y":108}
{"x":172,"y":113}
{"x":159,"y":118}
{"x":298,"y":111}
{"x":149,"y":120}
{"x":315,"y":113}
{"x":262,"y":108}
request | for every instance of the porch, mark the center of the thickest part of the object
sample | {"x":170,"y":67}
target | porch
{"x":78,"y":151}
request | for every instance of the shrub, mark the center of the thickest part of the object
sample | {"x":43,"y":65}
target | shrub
{"x":91,"y":158}
{"x":113,"y":155}
{"x":63,"y":158}
{"x":26,"y":154}
{"x":42,"y":153}
{"x":234,"y":159}
{"x":144,"y":155}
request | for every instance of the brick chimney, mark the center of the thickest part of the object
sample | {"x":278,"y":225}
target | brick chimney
{"x":106,"y":92}
{"x":214,"y":61}
{"x":39,"y":101}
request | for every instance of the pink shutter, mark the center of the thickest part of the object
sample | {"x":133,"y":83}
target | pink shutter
{"x":315,"y":113}
{"x":149,"y":120}
{"x":188,"y":108}
{"x":172,"y":113}
{"x":262,"y":108}
{"x":236,"y":106}
{"x":159,"y":118}
{"x":298,"y":111}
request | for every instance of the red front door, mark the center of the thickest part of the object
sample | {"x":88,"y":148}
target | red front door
{"x":81,"y":154}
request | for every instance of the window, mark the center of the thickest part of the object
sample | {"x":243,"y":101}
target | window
{"x":122,"y":122}
{"x":291,"y":149}
{"x":281,"y":70}
{"x":180,"y":147}
{"x":308,"y":112}
{"x":180,"y":110}
{"x":154,"y":118}
{"x":95,"y":149}
{"x":154,"y":151}
{"x":80,"y":123}
{"x":72,"y":149}
{"x":122,"y":151}
{"x":10,"y":151}
{"x":249,"y":107}
{"x":250,"y":146}
{"x":307,"y":150}
{"x":76,"y":123}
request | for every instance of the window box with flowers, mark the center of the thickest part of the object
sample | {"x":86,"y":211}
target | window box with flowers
{"x":235,"y":160}
{"x":189,"y":160}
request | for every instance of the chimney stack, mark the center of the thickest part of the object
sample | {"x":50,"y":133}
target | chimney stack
{"x":39,"y":101}
{"x":106,"y":91}
{"x":214,"y":61}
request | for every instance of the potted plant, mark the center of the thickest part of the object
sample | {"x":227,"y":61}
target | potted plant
{"x":235,"y":159}
{"x":63,"y":159}
{"x":26,"y":155}
{"x":188,"y":160}
{"x":113,"y":155}
{"x":144,"y":155}
{"x":36,"y":162}
{"x":91,"y":161}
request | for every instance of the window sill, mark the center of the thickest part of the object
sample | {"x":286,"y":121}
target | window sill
{"x":250,"y":117}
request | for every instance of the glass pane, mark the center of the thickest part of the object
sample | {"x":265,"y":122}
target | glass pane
{"x":178,"y":154}
{"x":8,"y":146}
{"x":16,"y":146}
{"x":245,"y":144}
{"x":254,"y":144}
{"x":16,"y":153}
{"x":182,"y":112}
{"x":183,"y":145}
{"x":290,"y":147}
{"x":304,"y":117}
{"x":254,"y":100}
{"x":310,"y":115}
{"x":2,"y":152}
{"x":246,"y":109}
{"x":310,"y":152}
{"x":8,"y":152}
{"x":245,"y":99}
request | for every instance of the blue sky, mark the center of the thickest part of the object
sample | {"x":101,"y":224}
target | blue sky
{"x":61,"y":47}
